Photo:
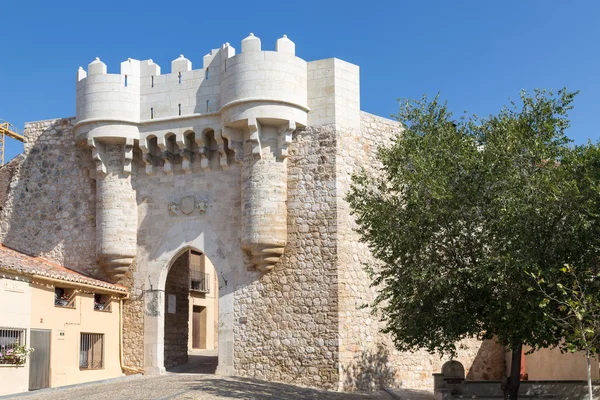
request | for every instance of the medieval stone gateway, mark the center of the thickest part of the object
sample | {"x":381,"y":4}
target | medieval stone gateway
{"x":245,"y":160}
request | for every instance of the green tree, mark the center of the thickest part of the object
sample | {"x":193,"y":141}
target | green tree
{"x":572,"y":301}
{"x":458,"y":212}
{"x":572,"y":293}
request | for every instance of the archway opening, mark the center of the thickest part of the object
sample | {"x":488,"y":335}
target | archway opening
{"x":191,"y":315}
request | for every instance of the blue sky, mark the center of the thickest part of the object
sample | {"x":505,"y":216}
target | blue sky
{"x":477,"y":54}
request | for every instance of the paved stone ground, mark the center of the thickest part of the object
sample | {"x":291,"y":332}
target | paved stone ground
{"x":196,"y":380}
{"x":409,"y":394}
{"x":199,"y":386}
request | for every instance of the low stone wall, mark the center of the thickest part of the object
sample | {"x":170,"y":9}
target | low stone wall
{"x":535,"y":390}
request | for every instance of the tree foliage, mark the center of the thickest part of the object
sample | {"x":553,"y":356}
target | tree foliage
{"x":572,"y":301}
{"x":459,"y":211}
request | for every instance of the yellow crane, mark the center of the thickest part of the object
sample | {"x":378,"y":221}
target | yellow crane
{"x":7,"y":130}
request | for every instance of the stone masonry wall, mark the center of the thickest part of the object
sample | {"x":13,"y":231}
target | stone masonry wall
{"x":133,"y":323}
{"x":49,"y":210}
{"x":300,"y":323}
{"x":176,"y":324}
{"x":367,"y":357}
{"x":7,"y":172}
{"x":287,"y":328}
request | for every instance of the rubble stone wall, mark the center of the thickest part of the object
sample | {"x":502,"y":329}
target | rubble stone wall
{"x":50,"y":208}
{"x":133,"y":323}
{"x":287,"y":327}
{"x":301,"y":323}
{"x":176,"y":318}
{"x":368,"y":357}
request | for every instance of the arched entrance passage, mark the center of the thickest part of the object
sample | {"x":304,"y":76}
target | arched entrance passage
{"x":191,"y":314}
{"x":180,"y":239}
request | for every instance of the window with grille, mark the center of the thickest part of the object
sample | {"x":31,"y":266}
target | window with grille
{"x":91,"y":351}
{"x":10,"y":339}
{"x":199,"y":279}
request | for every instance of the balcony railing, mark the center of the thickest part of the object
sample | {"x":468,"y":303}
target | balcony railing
{"x":199,"y":281}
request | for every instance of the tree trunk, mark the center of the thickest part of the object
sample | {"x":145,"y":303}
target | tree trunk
{"x":589,"y":373}
{"x":515,"y":372}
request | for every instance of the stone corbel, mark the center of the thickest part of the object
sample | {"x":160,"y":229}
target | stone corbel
{"x":166,"y":155}
{"x":147,"y":157}
{"x":285,"y":139}
{"x":127,"y":155}
{"x":234,"y":142}
{"x":149,"y":161}
{"x":221,"y":148}
{"x":202,"y":143}
{"x":97,"y":150}
{"x":186,"y":154}
{"x":254,"y":137}
{"x":186,"y":157}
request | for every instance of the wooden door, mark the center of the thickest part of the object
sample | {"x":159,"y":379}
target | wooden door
{"x":203,"y":327}
{"x":39,"y":360}
{"x":196,"y":327}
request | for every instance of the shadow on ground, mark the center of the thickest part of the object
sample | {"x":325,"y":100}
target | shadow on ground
{"x":198,"y":364}
{"x":412,"y":394}
{"x":253,"y":389}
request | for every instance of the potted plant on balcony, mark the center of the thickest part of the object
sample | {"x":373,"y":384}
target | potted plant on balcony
{"x":100,"y":305}
{"x":61,"y":298}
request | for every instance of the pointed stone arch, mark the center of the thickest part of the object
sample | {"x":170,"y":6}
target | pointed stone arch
{"x":194,"y":235}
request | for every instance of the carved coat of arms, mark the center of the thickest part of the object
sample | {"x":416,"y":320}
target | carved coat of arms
{"x":187,"y":205}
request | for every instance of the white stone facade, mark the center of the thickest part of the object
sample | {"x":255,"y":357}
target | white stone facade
{"x":246,"y":160}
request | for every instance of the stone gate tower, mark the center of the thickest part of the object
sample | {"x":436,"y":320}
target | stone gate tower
{"x":249,"y":104}
{"x":246,"y":160}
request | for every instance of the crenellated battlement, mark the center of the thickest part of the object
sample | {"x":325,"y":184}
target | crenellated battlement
{"x":147,"y":68}
{"x":237,"y":113}
{"x":226,"y":84}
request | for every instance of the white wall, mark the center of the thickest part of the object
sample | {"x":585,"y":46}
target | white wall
{"x":15,"y":312}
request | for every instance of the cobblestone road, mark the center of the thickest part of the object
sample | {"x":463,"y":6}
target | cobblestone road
{"x":195,"y":386}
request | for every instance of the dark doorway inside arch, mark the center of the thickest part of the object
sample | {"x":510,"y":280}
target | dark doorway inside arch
{"x":191,"y":315}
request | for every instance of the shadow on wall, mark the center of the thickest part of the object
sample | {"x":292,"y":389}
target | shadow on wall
{"x":51,"y":210}
{"x":370,"y":371}
{"x":488,"y":363}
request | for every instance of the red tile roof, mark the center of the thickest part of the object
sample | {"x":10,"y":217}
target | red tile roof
{"x":20,"y":263}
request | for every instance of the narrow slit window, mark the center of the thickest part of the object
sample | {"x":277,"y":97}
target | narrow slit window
{"x":152,"y":80}
{"x":206,"y":74}
{"x":207,"y":105}
{"x":179,"y":109}
{"x":179,"y":77}
{"x":225,"y":65}
{"x":125,"y":80}
{"x":151,"y":113}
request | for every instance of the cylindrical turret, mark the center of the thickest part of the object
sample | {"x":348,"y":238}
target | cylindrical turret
{"x":264,"y":94}
{"x":264,"y":84}
{"x":116,"y":214}
{"x":264,"y":201}
{"x":108,"y":109}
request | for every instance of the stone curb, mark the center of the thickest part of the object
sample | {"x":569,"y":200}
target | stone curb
{"x":77,"y":385}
